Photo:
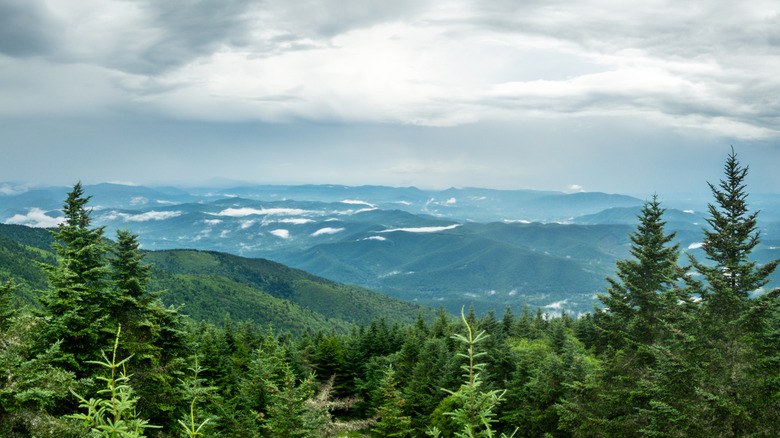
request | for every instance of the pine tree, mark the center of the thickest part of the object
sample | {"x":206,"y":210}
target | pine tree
{"x":392,"y":423}
{"x":152,"y":334}
{"x":76,"y":304}
{"x":738,"y":335}
{"x":646,"y":284}
{"x":641,"y":308}
{"x":732,"y":276}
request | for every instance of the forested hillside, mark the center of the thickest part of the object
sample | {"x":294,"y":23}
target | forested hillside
{"x":211,"y":286}
{"x":679,"y":346}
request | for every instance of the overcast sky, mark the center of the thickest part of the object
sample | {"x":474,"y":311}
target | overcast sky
{"x":600,"y":95}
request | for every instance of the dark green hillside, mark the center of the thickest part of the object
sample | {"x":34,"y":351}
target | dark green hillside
{"x":211,"y":298}
{"x":333,"y":300}
{"x":212,"y":285}
{"x":17,"y":263}
{"x":35,"y":237}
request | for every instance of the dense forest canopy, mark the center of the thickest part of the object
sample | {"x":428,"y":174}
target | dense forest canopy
{"x":678,"y":347}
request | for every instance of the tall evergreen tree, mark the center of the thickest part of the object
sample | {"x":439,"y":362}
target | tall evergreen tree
{"x":75,"y":305}
{"x":732,"y":276}
{"x":640,"y":307}
{"x":646,"y":284}
{"x":739,"y":335}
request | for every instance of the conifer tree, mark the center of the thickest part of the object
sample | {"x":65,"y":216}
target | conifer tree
{"x":640,"y":308}
{"x":646,"y":284}
{"x":734,"y":233}
{"x":739,"y":334}
{"x":392,"y":423}
{"x":76,"y":304}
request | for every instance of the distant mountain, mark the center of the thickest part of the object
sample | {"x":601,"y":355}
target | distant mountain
{"x":487,"y":265}
{"x":437,"y":247}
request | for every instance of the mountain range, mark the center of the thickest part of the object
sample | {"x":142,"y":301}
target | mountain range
{"x":454,"y":247}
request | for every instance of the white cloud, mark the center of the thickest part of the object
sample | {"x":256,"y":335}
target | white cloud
{"x":138,"y":200}
{"x":357,"y":202}
{"x":284,"y":234}
{"x":350,"y":212}
{"x":295,"y":221}
{"x":380,"y":238}
{"x":7,"y":189}
{"x":246,"y":223}
{"x":213,"y":221}
{"x":421,"y":229}
{"x":246,"y":211}
{"x":516,"y":221}
{"x":451,"y":201}
{"x":557,"y":305}
{"x":35,"y":217}
{"x":575,"y":188}
{"x":696,"y":245}
{"x":689,"y":211}
{"x":327,"y":230}
{"x":143,"y":217}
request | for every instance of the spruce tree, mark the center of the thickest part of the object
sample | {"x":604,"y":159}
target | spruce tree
{"x":738,"y":335}
{"x":732,"y":276}
{"x":75,"y":307}
{"x":646,"y":284}
{"x":641,"y":309}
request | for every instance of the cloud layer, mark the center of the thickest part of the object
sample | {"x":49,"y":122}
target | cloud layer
{"x":547,"y":78}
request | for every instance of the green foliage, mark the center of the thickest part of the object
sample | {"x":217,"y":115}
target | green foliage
{"x":392,"y":422}
{"x":75,"y":305}
{"x":295,"y":289}
{"x":113,"y":415}
{"x":653,"y":362}
{"x":193,"y":390}
{"x":475,"y":414}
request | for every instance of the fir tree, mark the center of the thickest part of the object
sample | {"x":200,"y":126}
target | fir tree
{"x":76,"y":304}
{"x":732,"y":276}
{"x":391,"y":421}
{"x":646,"y":284}
{"x":738,"y":335}
{"x":641,"y":307}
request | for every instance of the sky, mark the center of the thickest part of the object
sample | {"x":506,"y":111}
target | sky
{"x":598,"y":95}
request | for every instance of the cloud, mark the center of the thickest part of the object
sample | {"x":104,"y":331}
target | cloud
{"x":27,"y":28}
{"x":142,"y":217}
{"x":557,"y":305}
{"x":246,"y":211}
{"x":357,"y":202}
{"x":35,"y":217}
{"x":295,"y":221}
{"x":696,"y":245}
{"x":8,"y":189}
{"x":327,"y":230}
{"x":421,"y":229}
{"x":379,"y":238}
{"x":584,"y":82}
{"x":284,"y":234}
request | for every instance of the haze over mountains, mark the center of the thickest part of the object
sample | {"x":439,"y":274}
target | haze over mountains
{"x":489,"y":248}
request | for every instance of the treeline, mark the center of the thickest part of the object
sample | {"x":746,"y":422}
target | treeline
{"x":675,"y":349}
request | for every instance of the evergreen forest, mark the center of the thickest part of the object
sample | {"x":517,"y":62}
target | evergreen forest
{"x":678,"y":347}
